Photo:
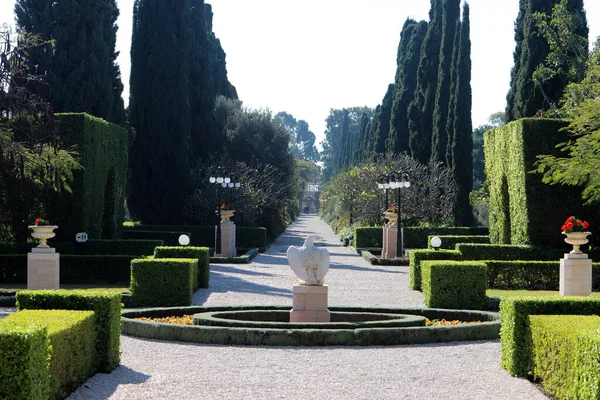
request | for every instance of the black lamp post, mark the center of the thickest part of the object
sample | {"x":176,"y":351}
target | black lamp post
{"x":398,"y":181}
{"x":382,"y":183}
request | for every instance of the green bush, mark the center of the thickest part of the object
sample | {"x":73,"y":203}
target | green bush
{"x":454,"y":284}
{"x":449,"y":242}
{"x":555,"y":351}
{"x":515,"y":335}
{"x":417,"y":256}
{"x":201,"y":253}
{"x":367,"y":237}
{"x":522,"y":209}
{"x":507,"y":252}
{"x":99,"y":186}
{"x":106,"y":305}
{"x":414,"y":237}
{"x":24,"y":361}
{"x":72,"y":337}
{"x":162,"y":282}
{"x":118,"y":247}
{"x":169,"y":238}
{"x":587,"y":359}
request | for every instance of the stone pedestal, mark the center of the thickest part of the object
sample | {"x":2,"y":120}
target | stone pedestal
{"x":310,"y":304}
{"x":575,"y":275}
{"x":227,"y":240}
{"x":43,"y":268}
{"x":390,"y":233}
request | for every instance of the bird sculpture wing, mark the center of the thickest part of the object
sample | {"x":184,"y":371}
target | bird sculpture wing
{"x":296,"y":258}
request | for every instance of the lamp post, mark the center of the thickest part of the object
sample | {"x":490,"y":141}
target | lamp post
{"x":221,"y":182}
{"x":384,"y":185}
{"x":397,"y":180}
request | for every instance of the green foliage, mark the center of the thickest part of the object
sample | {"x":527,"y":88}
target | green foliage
{"x":118,"y":247}
{"x":414,"y":237}
{"x":162,"y":282}
{"x":365,"y":237}
{"x":201,"y":253}
{"x":556,"y":353}
{"x":449,"y":242}
{"x":522,"y":209}
{"x":105,"y":304}
{"x":169,"y":238}
{"x":99,"y":186}
{"x":515,"y":334}
{"x":585,"y":366}
{"x":381,"y":123}
{"x":416,"y":257}
{"x":453,"y":284}
{"x":82,"y":71}
{"x":302,"y":138}
{"x":72,"y":337}
{"x":24,"y":361}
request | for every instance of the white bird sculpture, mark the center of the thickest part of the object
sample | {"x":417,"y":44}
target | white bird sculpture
{"x":310,"y":264}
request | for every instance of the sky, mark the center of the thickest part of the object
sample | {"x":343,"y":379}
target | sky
{"x":306,"y":57}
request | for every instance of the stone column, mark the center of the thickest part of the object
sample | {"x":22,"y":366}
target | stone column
{"x":389,"y":241}
{"x":310,"y":304}
{"x":575,"y":275}
{"x":227,"y":240}
{"x":43,"y":268}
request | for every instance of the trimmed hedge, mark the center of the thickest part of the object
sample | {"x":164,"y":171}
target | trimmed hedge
{"x":515,"y":334}
{"x":202,"y":277}
{"x":243,"y":259}
{"x":106,"y":305}
{"x":118,"y":247}
{"x":370,"y":255}
{"x":523,"y":210}
{"x":169,"y":238}
{"x":24,"y":361}
{"x":508,"y":252}
{"x":73,"y":269}
{"x":414,"y":237}
{"x":454,"y":285}
{"x":417,"y":256}
{"x":99,"y":186}
{"x":72,"y":337}
{"x":449,"y":242}
{"x":556,"y":353}
{"x":162,"y":282}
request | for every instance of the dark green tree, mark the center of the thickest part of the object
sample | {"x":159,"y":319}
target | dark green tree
{"x":409,"y":52}
{"x":160,"y":110}
{"x":420,"y":110}
{"x":362,"y":152}
{"x":439,"y":136}
{"x":81,"y":68}
{"x":302,"y":139}
{"x":526,"y":97}
{"x":381,"y":121}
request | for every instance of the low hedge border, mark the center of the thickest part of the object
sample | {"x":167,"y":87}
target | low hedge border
{"x":449,"y":242}
{"x":202,"y":276}
{"x":169,"y":238}
{"x":487,"y":330}
{"x":106,"y":305}
{"x":414,"y":237}
{"x":72,"y":336}
{"x":163,"y":282}
{"x":245,"y":259}
{"x":515,"y":334}
{"x":454,"y":284}
{"x":368,"y":255}
{"x":91,"y":247}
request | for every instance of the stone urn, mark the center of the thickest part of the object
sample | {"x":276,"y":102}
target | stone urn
{"x":226,"y":214}
{"x":392,"y":217}
{"x":44,"y":232}
{"x":577,"y":239}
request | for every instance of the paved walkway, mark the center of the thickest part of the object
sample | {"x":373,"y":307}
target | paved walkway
{"x":165,"y":370}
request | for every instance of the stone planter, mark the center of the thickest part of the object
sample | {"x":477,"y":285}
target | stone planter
{"x":392,"y":217}
{"x":226,"y":214}
{"x":44,"y":232}
{"x":577,"y":239}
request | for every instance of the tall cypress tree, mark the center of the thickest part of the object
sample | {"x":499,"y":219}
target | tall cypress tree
{"x":439,"y":138}
{"x":462,"y":148}
{"x":409,"y":52}
{"x":81,"y":69}
{"x":160,"y":110}
{"x":420,"y":111}
{"x":381,"y":123}
{"x":525,"y":98}
{"x":453,"y":96}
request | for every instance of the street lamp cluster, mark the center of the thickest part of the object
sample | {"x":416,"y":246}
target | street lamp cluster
{"x":222,"y":182}
{"x":395,"y":180}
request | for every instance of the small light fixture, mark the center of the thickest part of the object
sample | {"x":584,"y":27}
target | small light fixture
{"x":184,"y":240}
{"x":436,"y":242}
{"x":212,"y":179}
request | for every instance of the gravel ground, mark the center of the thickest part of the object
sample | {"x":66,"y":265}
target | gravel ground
{"x":165,"y":370}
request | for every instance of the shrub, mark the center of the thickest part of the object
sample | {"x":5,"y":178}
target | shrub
{"x":162,"y":282}
{"x":72,"y":337}
{"x":414,"y":237}
{"x":449,"y":242}
{"x":201,"y":253}
{"x":367,"y":237}
{"x":24,"y":361}
{"x":556,"y":349}
{"x":507,"y":252}
{"x":118,"y":247}
{"x":515,"y":336}
{"x":417,"y":256}
{"x":587,"y":359}
{"x":169,"y":238}
{"x":455,"y":285}
{"x":106,"y":305}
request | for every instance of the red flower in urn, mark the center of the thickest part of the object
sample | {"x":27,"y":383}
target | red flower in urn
{"x":573,"y":224}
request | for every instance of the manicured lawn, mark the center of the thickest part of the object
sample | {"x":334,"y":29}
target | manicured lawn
{"x":22,"y":286}
{"x":536,"y":293}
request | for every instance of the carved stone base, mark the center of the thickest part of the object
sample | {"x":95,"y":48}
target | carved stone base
{"x":390,"y":233}
{"x":575,"y":275}
{"x":227,"y":240}
{"x":310,"y":304}
{"x":43,"y":268}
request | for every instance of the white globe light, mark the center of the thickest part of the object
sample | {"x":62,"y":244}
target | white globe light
{"x":184,"y":240}
{"x":224,"y":184}
{"x":386,"y":186}
{"x":227,"y":180}
{"x":230,"y":184}
{"x":380,"y":185}
{"x":212,"y":179}
{"x":436,"y":242}
{"x":237,"y":184}
{"x":219,"y":180}
{"x":407,"y":184}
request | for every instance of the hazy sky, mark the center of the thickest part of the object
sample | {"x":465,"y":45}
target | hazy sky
{"x":306,"y":57}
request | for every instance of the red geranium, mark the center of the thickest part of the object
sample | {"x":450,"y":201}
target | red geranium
{"x":573,"y":224}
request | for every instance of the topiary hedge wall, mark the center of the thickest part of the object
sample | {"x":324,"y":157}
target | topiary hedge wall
{"x":96,"y":204}
{"x":522,"y":209}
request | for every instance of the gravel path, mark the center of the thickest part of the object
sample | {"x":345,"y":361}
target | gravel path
{"x":165,"y":370}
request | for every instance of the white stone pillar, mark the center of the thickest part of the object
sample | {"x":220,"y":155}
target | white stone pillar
{"x":227,"y":240}
{"x":575,"y":275}
{"x":43,"y":268}
{"x":310,"y":304}
{"x":390,"y":233}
